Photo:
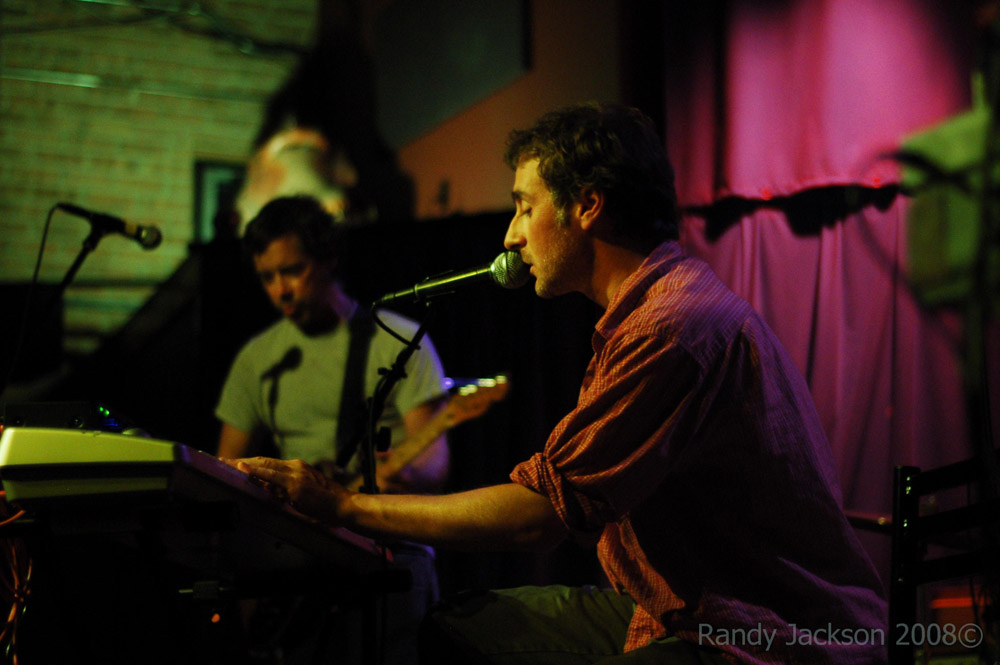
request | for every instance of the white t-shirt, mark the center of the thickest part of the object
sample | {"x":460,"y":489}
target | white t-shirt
{"x":300,"y":404}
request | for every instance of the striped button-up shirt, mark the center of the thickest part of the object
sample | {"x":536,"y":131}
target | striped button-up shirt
{"x":696,"y":461}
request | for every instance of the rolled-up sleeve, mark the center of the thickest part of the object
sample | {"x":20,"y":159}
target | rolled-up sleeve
{"x":614,"y":449}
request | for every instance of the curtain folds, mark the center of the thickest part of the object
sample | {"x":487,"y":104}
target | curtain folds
{"x":767,"y":98}
{"x":780,"y":117}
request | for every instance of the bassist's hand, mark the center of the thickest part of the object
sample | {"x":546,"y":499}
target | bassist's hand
{"x":389,"y":480}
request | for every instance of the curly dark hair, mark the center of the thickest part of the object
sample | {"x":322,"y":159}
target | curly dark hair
{"x":301,"y":215}
{"x":610,"y":148}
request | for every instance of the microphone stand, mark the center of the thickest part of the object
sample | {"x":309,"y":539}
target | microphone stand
{"x":376,"y":405}
{"x":89,"y":245}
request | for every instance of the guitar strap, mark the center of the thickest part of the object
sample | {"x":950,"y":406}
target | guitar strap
{"x":351,"y":423}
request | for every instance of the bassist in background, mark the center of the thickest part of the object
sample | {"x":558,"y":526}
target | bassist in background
{"x":302,"y":384}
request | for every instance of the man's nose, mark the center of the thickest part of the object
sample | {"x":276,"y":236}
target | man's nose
{"x":282,"y":287}
{"x":514,"y":239}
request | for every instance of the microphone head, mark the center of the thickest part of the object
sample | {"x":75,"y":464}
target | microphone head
{"x":292,"y":358}
{"x":149,"y":237}
{"x":509,"y":270}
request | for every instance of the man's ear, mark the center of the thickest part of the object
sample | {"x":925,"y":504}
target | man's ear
{"x":591,"y":206}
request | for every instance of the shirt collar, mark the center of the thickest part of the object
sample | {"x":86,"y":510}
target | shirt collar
{"x":633,"y":290}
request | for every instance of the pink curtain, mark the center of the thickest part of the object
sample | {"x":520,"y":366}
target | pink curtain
{"x":780,"y":114}
{"x":766,"y":98}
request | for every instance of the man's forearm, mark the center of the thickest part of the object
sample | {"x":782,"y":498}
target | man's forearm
{"x":499,"y":517}
{"x":233,"y":442}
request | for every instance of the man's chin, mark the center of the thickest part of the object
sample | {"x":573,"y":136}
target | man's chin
{"x":547,"y":291}
{"x":314,"y":325}
{"x":297,"y":316}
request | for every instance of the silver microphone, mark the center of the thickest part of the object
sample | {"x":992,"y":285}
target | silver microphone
{"x":147,"y":236}
{"x":507,"y":270}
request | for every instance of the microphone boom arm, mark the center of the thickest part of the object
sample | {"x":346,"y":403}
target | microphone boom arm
{"x":507,"y":270}
{"x":435,"y":286}
{"x":376,"y":405}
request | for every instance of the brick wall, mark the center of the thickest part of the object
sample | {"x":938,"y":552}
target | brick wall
{"x":109,"y":108}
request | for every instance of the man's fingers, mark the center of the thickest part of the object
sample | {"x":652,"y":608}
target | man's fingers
{"x":285,"y":479}
{"x":255,"y":464}
{"x":263,"y":472}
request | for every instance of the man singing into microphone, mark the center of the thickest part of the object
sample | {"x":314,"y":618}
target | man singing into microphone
{"x":694,"y":458}
{"x":301,"y":385}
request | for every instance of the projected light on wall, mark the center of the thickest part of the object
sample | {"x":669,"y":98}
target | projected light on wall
{"x":434,"y":58}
